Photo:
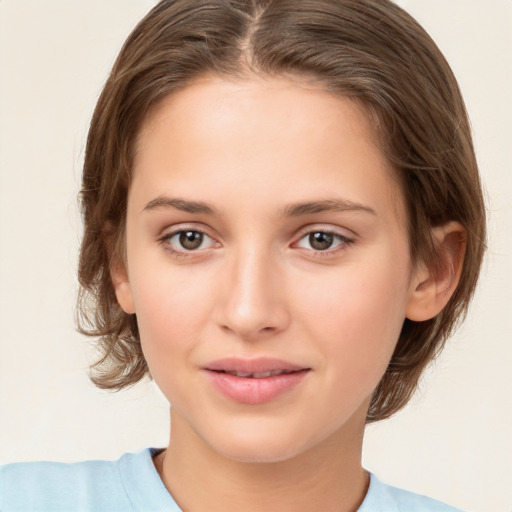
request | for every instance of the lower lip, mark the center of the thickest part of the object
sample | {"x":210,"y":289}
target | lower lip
{"x":252,"y":391}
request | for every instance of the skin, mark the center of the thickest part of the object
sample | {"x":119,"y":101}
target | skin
{"x":252,"y":150}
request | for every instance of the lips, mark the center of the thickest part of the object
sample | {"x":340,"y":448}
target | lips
{"x":254,"y":381}
{"x":258,"y":375}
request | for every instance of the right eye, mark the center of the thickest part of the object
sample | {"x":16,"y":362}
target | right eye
{"x":187,"y":240}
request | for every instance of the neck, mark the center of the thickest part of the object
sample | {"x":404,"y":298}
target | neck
{"x":328,"y":477}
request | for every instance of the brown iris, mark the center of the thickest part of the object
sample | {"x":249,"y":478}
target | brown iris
{"x":191,"y":240}
{"x":321,"y":241}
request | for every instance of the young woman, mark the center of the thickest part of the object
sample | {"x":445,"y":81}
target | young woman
{"x":283,"y":223}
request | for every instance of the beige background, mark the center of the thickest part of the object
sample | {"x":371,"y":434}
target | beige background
{"x":453,"y":442}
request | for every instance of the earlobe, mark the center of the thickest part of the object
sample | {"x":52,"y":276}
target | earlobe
{"x":431,"y":289}
{"x":122,"y":288}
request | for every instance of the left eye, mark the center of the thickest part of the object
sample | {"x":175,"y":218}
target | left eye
{"x":189,"y":240}
{"x":321,"y":241}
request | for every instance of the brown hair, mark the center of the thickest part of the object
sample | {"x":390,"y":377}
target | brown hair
{"x":369,"y":50}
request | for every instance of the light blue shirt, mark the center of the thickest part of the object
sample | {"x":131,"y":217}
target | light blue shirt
{"x":133,"y":484}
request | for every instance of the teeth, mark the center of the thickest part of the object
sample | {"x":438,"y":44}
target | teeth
{"x":241,"y":374}
{"x":258,"y":375}
{"x":261,"y":375}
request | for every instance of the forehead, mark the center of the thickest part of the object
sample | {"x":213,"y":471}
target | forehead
{"x":255,"y":101}
{"x":276,"y":134}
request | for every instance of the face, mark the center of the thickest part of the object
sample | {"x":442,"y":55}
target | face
{"x":267,"y":263}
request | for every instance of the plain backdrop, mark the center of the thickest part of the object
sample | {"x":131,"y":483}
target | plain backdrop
{"x":453,"y":441}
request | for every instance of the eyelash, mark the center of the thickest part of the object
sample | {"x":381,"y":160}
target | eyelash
{"x":165,"y":241}
{"x":343,"y":242}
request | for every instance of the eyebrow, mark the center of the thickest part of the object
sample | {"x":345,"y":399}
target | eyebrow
{"x":292,"y":210}
{"x":340,"y":205}
{"x":180,"y":204}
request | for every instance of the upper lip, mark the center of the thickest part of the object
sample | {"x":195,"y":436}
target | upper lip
{"x":255,"y":365}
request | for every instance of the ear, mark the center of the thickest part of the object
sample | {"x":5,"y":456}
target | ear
{"x":431,"y":289}
{"x":114,"y":246}
{"x":119,"y":276}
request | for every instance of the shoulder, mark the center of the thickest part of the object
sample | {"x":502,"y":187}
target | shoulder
{"x":88,"y":486}
{"x":59,"y":486}
{"x":386,"y":498}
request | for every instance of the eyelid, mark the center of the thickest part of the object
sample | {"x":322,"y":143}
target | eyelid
{"x":326,"y":228}
{"x":342,"y":234}
{"x":165,"y":238}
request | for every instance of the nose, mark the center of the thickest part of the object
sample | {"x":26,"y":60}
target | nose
{"x":253,"y":303}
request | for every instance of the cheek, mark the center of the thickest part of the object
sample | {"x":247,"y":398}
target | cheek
{"x":168,"y":318}
{"x":357,"y":319}
{"x":170,"y":308}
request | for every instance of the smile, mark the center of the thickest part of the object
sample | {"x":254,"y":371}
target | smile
{"x":254,"y":381}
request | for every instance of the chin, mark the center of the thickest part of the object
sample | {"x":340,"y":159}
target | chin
{"x":268,"y":448}
{"x":258,"y":455}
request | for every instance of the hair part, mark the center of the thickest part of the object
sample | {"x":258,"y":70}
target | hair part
{"x":368,"y":50}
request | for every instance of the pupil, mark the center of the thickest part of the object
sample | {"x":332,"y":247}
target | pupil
{"x":321,"y":241}
{"x":191,"y":239}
